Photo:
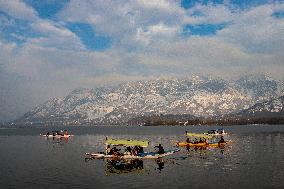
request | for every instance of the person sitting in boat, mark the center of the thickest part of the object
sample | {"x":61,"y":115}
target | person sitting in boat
{"x":135,"y":150}
{"x":57,"y":133}
{"x":221,"y":140}
{"x":114,"y":151}
{"x":140,"y":150}
{"x":195,"y":141}
{"x":128,"y":150}
{"x":220,"y":131}
{"x":205,"y":141}
{"x":160,"y":149}
{"x":187,"y":140}
{"x":60,"y":133}
{"x":108,"y":150}
{"x":200,"y":140}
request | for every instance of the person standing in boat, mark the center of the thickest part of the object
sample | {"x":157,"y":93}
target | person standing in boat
{"x":160,"y":149}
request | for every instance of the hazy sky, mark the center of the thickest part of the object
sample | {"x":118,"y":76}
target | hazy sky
{"x":49,"y":47}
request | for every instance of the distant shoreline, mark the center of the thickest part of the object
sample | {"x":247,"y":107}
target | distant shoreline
{"x":161,"y":122}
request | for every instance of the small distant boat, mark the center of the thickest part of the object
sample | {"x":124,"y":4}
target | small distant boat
{"x":128,"y":155}
{"x":57,"y":134}
{"x":216,"y":132}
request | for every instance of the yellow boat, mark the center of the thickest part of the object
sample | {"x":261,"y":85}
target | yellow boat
{"x":205,"y":141}
{"x":203,"y":144}
{"x":219,"y":144}
{"x":189,"y":144}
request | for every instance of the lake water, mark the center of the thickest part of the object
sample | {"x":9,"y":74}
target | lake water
{"x":254,"y":159}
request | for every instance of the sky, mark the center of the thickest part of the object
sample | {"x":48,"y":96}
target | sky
{"x":50,"y":47}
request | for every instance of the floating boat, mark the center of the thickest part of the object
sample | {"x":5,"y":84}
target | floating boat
{"x":145,"y":155}
{"x":128,"y":155}
{"x":189,"y":144}
{"x":203,"y":144}
{"x":216,"y":132}
{"x":195,"y":137}
{"x":57,"y":134}
{"x":205,"y":140}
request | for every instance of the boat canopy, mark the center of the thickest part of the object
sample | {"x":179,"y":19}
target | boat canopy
{"x":198,"y":135}
{"x":121,"y":142}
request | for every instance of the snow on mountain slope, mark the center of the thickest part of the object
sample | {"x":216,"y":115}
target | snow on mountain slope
{"x":274,"y":107}
{"x":196,"y":95}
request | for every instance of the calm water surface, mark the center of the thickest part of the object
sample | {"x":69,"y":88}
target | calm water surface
{"x":254,"y":159}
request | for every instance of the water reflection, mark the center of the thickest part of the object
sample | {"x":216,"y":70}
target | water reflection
{"x":57,"y":141}
{"x":254,"y":159}
{"x":114,"y":166}
{"x":203,"y":150}
{"x":161,"y":164}
{"x":122,"y":166}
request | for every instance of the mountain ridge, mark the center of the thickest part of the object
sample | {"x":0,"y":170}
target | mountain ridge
{"x":198,"y":96}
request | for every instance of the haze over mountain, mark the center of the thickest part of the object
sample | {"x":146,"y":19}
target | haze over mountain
{"x":197,"y":96}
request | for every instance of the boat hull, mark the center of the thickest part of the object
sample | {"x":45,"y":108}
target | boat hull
{"x":146,"y":155}
{"x":57,"y":136}
{"x":185,"y":144}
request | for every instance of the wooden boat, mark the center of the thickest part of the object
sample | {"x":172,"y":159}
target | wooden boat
{"x":217,"y":132}
{"x":208,"y":141}
{"x":57,"y":134}
{"x":203,"y":144}
{"x":128,"y":155}
{"x":145,"y":155}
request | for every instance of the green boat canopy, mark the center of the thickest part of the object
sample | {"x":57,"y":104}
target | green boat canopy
{"x":120,"y":142}
{"x":198,"y":135}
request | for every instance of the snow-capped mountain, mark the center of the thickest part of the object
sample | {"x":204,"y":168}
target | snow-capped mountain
{"x":274,"y":107}
{"x":196,"y":95}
